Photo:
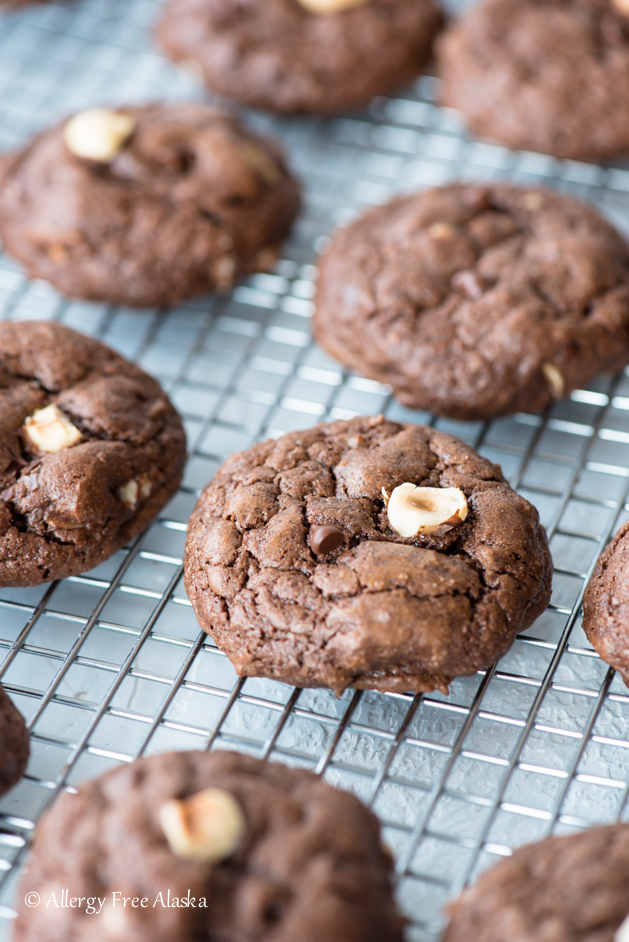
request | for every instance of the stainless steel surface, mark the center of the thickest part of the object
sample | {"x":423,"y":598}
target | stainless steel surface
{"x":112,"y":665}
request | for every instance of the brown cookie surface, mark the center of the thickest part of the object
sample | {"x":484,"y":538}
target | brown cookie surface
{"x":308,"y":867}
{"x":477,"y":301}
{"x":14,"y":743}
{"x":279,"y":55}
{"x":188,"y":203}
{"x":568,"y":889}
{"x":90,"y":450}
{"x":368,"y":608}
{"x":544,"y":75}
{"x":606,"y":604}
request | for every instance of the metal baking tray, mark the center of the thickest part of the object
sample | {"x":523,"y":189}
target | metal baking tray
{"x":112,"y":665}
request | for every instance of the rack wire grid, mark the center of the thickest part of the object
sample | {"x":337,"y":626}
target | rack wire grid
{"x":112,"y":664}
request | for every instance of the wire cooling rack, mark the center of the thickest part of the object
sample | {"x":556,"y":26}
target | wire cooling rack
{"x":111,"y":665}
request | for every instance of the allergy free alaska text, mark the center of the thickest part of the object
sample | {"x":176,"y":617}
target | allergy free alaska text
{"x":93,"y":905}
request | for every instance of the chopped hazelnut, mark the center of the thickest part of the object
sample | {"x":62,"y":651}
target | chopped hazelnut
{"x":554,"y":379}
{"x":128,"y":494}
{"x":50,"y":430}
{"x":330,"y":6}
{"x":224,"y":272}
{"x":98,"y":134}
{"x":623,"y":7}
{"x":412,"y":510}
{"x":441,"y":230}
{"x":208,"y":826}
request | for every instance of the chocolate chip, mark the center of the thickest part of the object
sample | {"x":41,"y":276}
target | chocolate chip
{"x":325,"y":539}
{"x":469,"y":283}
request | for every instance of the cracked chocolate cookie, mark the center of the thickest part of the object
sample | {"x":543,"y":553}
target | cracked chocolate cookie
{"x":606,"y":604}
{"x":14,"y":743}
{"x":477,"y":301}
{"x":544,"y":75}
{"x":568,"y":889}
{"x":90,"y":450}
{"x":266,"y":852}
{"x":318,"y":56}
{"x":364,"y":554}
{"x":146,"y":205}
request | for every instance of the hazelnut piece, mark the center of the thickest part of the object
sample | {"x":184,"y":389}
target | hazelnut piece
{"x":412,"y":510}
{"x":623,"y":7}
{"x":554,"y":379}
{"x":50,"y":430}
{"x":128,"y":494}
{"x":207,"y":826}
{"x":330,"y":6}
{"x":441,"y":230}
{"x":223,"y":271}
{"x":325,"y":539}
{"x":98,"y":134}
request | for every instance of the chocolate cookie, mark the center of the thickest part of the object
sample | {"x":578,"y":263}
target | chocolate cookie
{"x":318,"y":56}
{"x":606,"y":604}
{"x":315,"y":559}
{"x":146,"y":206}
{"x":90,"y":450}
{"x":14,"y":743}
{"x":266,"y":852}
{"x":564,"y":889}
{"x":477,"y":301}
{"x":545,"y":75}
